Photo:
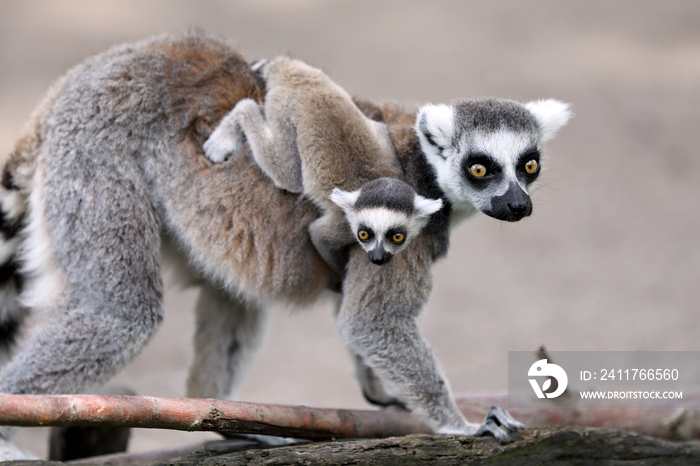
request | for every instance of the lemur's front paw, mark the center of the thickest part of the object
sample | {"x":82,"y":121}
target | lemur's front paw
{"x":496,"y":418}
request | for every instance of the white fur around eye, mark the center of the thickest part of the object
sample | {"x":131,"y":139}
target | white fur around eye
{"x":503,"y":146}
{"x":380,"y":219}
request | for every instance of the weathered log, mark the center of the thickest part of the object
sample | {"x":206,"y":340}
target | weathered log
{"x":662,"y":420}
{"x":574,"y":445}
{"x":561,"y":445}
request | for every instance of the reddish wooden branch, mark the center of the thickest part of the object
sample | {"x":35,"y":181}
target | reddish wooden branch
{"x":313,"y":423}
{"x":193,"y":414}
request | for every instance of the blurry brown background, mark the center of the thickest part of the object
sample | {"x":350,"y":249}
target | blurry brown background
{"x":609,"y":259}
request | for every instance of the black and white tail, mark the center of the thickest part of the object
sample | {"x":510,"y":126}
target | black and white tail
{"x":12,"y":212}
{"x":258,"y":65}
{"x":261,"y":67}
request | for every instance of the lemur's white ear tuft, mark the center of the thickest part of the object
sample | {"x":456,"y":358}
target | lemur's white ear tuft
{"x":435,"y":127}
{"x":550,"y":114}
{"x":344,"y":199}
{"x":425,"y":206}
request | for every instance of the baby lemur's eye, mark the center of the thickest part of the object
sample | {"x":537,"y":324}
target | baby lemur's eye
{"x":478,"y":170}
{"x":363,"y":235}
{"x":398,"y":238}
{"x":531,"y":167}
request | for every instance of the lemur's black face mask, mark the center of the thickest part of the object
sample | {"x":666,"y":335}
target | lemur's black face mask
{"x":379,"y":256}
{"x":489,"y":178}
{"x":513,"y":205}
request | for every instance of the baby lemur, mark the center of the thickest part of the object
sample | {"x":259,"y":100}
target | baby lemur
{"x":313,"y":139}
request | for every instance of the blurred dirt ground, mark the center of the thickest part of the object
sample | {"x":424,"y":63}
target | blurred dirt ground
{"x":609,"y":260}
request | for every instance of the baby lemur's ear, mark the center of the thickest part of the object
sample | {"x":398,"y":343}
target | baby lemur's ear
{"x":425,"y":206}
{"x":435,"y":128}
{"x":550,"y":114}
{"x":344,"y":199}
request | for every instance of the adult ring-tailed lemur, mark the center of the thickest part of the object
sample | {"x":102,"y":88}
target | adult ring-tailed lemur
{"x":110,"y":167}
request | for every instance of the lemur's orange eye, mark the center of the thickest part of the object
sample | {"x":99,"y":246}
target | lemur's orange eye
{"x":363,"y":235}
{"x":531,"y":167}
{"x":478,"y":170}
{"x":398,"y":237}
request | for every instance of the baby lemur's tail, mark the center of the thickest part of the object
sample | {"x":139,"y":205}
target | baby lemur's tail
{"x":262,"y":67}
{"x":12,"y":212}
{"x":258,"y":66}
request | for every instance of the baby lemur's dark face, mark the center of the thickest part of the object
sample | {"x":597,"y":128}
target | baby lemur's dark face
{"x":382,"y":232}
{"x":385,"y":215}
{"x":486,"y":153}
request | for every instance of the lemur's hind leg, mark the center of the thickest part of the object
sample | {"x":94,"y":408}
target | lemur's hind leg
{"x":228,"y":333}
{"x":104,"y":301}
{"x":272,"y":142}
{"x":372,"y":387}
{"x":331,"y":236}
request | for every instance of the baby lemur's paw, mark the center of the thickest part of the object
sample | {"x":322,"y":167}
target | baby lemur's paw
{"x":228,"y":137}
{"x":495,"y":419}
{"x":220,"y":146}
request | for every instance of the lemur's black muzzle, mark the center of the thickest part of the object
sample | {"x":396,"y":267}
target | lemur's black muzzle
{"x":512,"y":206}
{"x":379,"y":256}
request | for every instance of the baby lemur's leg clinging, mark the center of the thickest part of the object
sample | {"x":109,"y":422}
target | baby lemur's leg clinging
{"x":330,"y":235}
{"x":273,"y":143}
{"x":274,"y":148}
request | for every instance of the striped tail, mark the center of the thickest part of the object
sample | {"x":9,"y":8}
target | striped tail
{"x":12,"y":213}
{"x":258,"y":65}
